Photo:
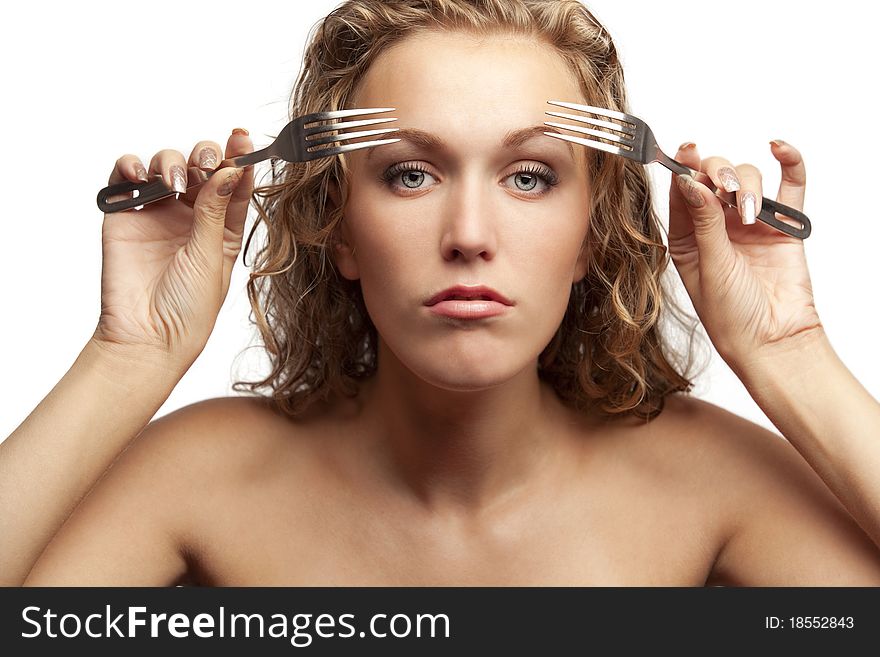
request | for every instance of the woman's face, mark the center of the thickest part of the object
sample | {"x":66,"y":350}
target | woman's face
{"x":420,"y":219}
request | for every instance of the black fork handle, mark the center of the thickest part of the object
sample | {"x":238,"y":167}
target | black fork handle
{"x":147,"y":192}
{"x":769,"y":210}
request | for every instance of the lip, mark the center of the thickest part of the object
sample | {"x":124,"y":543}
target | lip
{"x":492,"y":296}
{"x":468,"y":308}
{"x":494,"y":303}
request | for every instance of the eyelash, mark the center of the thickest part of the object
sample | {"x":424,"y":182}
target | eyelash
{"x":545,"y":174}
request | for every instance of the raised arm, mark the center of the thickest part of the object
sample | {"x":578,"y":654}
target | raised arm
{"x":751,"y":288}
{"x":166,"y":272}
{"x":827,"y":415}
{"x":783,"y":524}
{"x":52,"y":460}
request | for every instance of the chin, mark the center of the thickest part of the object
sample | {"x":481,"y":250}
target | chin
{"x":460,"y":373}
{"x":457,"y":383}
{"x":463,"y":361}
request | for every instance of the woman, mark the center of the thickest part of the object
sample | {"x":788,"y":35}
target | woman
{"x":549,"y":444}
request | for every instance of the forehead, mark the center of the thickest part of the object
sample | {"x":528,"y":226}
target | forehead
{"x":445,"y":81}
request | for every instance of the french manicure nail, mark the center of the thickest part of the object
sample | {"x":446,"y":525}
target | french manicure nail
{"x":207,"y":158}
{"x":178,"y":179}
{"x":748,"y":204}
{"x":729,"y":180}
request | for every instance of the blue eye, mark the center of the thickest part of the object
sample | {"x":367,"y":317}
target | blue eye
{"x":413,"y":181}
{"x":530,"y":178}
{"x":414,"y":175}
{"x":530,"y":175}
{"x":525,"y":179}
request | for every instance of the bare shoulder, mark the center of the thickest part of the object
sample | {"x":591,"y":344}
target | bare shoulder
{"x":706,"y":436}
{"x":222,"y":425}
{"x":140,"y":522}
{"x":715,"y":442}
{"x":740,"y":460}
{"x":226,"y":438}
{"x":783,"y":525}
{"x":693,"y":440}
{"x":730,"y":451}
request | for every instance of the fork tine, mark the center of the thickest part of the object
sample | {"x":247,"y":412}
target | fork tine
{"x":346,"y":136}
{"x":338,"y":114}
{"x":335,"y":150}
{"x":591,"y":143}
{"x":614,"y":114}
{"x":625,"y":142}
{"x":591,"y":121}
{"x":339,"y":126}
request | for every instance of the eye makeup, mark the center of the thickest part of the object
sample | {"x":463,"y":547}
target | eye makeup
{"x":533,"y":171}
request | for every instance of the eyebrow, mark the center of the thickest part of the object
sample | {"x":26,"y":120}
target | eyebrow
{"x":512,"y":140}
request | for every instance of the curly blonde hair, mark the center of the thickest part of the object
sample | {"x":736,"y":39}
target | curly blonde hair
{"x":607,"y":354}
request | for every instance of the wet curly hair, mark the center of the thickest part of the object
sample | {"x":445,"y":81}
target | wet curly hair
{"x":607,"y":355}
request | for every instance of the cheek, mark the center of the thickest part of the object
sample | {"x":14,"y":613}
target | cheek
{"x":553,"y":252}
{"x":391,"y":258}
{"x":551,"y":268}
{"x":382,"y":233}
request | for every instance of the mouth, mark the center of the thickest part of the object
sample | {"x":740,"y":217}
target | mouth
{"x":469,"y":302}
{"x":469,"y":293}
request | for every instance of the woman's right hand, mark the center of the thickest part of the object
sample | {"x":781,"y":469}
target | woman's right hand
{"x":166,"y":267}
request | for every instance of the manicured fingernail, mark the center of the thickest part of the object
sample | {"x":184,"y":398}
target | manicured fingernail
{"x":689,"y":190}
{"x":178,"y":179}
{"x":240,"y":131}
{"x":207,"y":158}
{"x":140,"y":172}
{"x":728,"y":178}
{"x":748,"y":204}
{"x":777,"y":142}
{"x":230,"y":183}
{"x":686,"y":146}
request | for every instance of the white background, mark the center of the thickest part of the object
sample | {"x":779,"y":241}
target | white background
{"x":84,"y":83}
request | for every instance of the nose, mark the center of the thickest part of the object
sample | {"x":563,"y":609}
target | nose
{"x":470,"y":221}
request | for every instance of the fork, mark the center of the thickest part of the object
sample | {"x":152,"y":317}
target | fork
{"x":292,"y":144}
{"x":632,"y":138}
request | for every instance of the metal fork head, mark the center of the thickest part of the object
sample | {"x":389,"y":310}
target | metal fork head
{"x":612,"y":131}
{"x":302,"y":143}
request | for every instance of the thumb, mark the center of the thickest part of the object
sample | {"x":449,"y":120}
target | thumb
{"x":209,"y":210}
{"x":707,"y":216}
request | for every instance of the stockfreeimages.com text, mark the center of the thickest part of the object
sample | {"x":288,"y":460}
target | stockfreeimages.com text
{"x":299,"y":628}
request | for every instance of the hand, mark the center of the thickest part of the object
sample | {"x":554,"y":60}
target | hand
{"x":166,"y":267}
{"x":748,"y":283}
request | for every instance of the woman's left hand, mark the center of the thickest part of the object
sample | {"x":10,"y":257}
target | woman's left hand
{"x":748,"y":283}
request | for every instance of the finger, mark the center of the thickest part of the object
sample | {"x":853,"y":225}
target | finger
{"x":128,"y":168}
{"x":205,"y":155}
{"x":709,"y":224}
{"x":209,"y":214}
{"x":722,"y":173}
{"x":744,"y":179}
{"x":172,"y":167}
{"x":239,"y":143}
{"x":794,"y":174}
{"x":749,"y":197}
{"x":680,"y":224}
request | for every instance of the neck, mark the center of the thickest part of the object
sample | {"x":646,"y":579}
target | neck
{"x":461,"y":450}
